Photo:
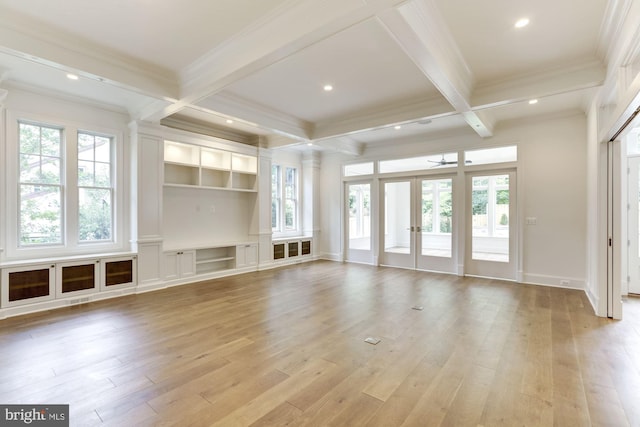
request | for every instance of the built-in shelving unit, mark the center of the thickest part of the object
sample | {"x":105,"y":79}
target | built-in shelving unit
{"x":209,"y":260}
{"x":195,"y":166}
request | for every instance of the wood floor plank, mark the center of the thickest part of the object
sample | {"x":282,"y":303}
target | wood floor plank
{"x":285,"y":347}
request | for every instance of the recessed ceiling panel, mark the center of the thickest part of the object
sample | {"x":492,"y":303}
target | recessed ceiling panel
{"x":559,"y":32}
{"x":365,"y":67}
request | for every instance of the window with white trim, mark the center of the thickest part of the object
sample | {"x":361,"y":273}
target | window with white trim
{"x":66,"y":188}
{"x":284,"y":199}
{"x":41,"y":185}
{"x":95,"y":189}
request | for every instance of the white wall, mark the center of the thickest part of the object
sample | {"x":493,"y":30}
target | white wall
{"x":196,"y":217}
{"x":552,"y":184}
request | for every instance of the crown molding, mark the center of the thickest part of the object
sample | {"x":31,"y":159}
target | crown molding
{"x":262,"y":116}
{"x":392,"y":114}
{"x":41,"y":43}
{"x":586,"y":73}
{"x":203,"y":129}
{"x":611,"y":28}
{"x":66,"y":97}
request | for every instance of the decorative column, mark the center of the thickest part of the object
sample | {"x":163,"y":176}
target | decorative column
{"x":311,"y":197}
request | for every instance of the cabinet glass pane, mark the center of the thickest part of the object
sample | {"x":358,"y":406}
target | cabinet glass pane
{"x":118,"y":272}
{"x":28,"y":284}
{"x":78,"y":277}
{"x":293,"y":249}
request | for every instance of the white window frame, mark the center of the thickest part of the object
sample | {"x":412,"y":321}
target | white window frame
{"x":279,"y":230}
{"x":71,"y":244}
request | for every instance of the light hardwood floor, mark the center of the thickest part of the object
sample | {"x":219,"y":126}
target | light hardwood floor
{"x":286,"y":347}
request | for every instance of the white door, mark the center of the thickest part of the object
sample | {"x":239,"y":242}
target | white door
{"x":358,"y":224}
{"x":633,"y":225}
{"x":398,"y":223}
{"x":490,"y":243}
{"x":418,"y":223}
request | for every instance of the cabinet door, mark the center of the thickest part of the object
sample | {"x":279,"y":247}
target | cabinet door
{"x":118,"y":272}
{"x":26,"y":285}
{"x":170,"y":265}
{"x":76,"y":278}
{"x":179,"y":264}
{"x":187,"y":263}
{"x":246,"y":255}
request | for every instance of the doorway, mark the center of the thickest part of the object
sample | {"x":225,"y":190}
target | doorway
{"x":359,"y":240}
{"x":491,"y":225}
{"x":418,"y":223}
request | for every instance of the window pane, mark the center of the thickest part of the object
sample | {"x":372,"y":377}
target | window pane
{"x":103,"y":175}
{"x":445,"y":160}
{"x":491,"y":155}
{"x":29,"y":168}
{"x":397,"y":235}
{"x":103,"y":149}
{"x":29,"y":139}
{"x":358,"y":169}
{"x":85,"y":173}
{"x":50,"y":172}
{"x":360,"y":217}
{"x":290,"y":215}
{"x":40,"y":215}
{"x":436,"y":218}
{"x":85,"y":147}
{"x":50,"y":141}
{"x":490,"y":220}
{"x":95,"y":220}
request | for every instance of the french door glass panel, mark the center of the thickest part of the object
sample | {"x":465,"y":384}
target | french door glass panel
{"x":397,"y":214}
{"x":437,"y":215}
{"x":360,"y":216}
{"x":490,"y":218}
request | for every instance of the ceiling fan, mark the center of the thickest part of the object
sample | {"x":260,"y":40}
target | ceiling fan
{"x":443,"y":162}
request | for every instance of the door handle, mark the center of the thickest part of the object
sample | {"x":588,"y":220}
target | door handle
{"x":412,"y":228}
{"x":418,"y":229}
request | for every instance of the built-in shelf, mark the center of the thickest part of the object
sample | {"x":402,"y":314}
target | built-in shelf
{"x":187,"y":165}
{"x":209,"y":260}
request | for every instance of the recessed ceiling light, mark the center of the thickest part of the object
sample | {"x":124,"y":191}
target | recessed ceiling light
{"x":397,"y":127}
{"x":72,"y":76}
{"x":309,"y":144}
{"x":533,"y":101}
{"x":229,"y":121}
{"x":328,"y":88}
{"x":523,"y":22}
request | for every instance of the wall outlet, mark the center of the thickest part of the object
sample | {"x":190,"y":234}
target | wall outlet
{"x":564,"y":282}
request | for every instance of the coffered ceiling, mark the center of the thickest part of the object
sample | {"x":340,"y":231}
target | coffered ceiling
{"x":256,"y":70}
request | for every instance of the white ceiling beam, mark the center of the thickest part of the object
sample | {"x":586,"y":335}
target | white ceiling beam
{"x":291,"y":28}
{"x":419,"y":29}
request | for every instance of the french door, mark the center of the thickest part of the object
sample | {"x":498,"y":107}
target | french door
{"x":359,"y":242}
{"x":490,"y":225}
{"x":417,"y":223}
